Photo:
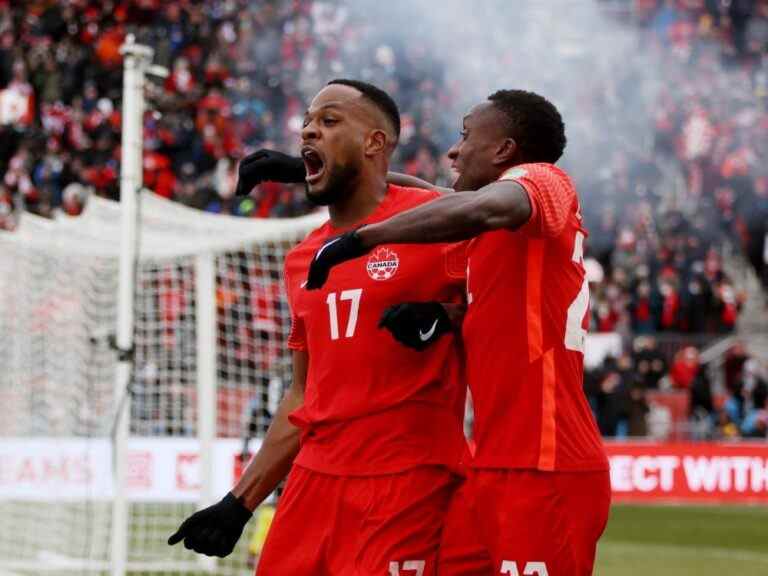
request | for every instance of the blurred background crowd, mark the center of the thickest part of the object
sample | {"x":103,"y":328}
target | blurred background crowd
{"x":649,"y":390}
{"x":671,"y":163}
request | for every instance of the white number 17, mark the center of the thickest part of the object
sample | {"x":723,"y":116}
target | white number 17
{"x":333,"y":315}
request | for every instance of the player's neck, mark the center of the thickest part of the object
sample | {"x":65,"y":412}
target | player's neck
{"x":360,"y":204}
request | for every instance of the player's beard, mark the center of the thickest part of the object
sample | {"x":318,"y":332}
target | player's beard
{"x":341,"y":181}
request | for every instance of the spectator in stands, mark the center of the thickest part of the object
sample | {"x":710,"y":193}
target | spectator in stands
{"x":735,"y":359}
{"x":650,"y":363}
{"x":609,"y":390}
{"x":17,"y":100}
{"x":755,"y":424}
{"x":734,"y":408}
{"x":7,"y":216}
{"x":74,"y":197}
{"x":702,"y":409}
{"x":642,"y":308}
{"x":685,"y":367}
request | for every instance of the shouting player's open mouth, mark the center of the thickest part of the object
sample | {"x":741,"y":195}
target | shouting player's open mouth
{"x":314,"y":164}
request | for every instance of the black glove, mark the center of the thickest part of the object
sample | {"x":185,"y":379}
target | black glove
{"x":335,"y":251}
{"x":268,"y":166}
{"x":215,"y":530}
{"x":416,"y":324}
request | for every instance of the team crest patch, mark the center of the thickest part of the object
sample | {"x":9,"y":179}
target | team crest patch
{"x":382,"y":264}
{"x":515,"y":173}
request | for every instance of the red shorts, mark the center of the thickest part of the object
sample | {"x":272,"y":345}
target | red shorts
{"x":462,"y":552}
{"x":358,"y":526}
{"x":525,"y":522}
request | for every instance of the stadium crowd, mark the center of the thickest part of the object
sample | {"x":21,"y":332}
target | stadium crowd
{"x":631,"y":395}
{"x":656,"y":246}
{"x":657,"y":241}
{"x":659,"y":211}
{"x":239,"y":76}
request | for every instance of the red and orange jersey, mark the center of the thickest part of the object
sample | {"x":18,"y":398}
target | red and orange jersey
{"x":524,"y":334}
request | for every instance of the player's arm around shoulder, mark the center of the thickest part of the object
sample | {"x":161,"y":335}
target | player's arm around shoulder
{"x":447,"y":218}
{"x":454,"y":217}
{"x":501,"y":204}
{"x":408,"y":181}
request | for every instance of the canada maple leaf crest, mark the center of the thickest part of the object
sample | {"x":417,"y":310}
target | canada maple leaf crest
{"x":382,"y":264}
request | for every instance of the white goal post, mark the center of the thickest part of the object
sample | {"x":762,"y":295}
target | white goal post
{"x":199,"y":345}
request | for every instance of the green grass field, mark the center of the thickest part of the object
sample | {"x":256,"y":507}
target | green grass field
{"x":683,"y":540}
{"x":639,"y":541}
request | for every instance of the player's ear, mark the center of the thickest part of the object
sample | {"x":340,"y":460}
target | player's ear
{"x":506,"y":151}
{"x":376,"y":142}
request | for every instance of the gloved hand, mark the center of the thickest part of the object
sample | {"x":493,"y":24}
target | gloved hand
{"x":268,"y":166}
{"x":215,"y":530}
{"x":416,"y":324}
{"x":335,"y":251}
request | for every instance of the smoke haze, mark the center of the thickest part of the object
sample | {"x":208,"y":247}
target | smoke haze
{"x":568,"y":51}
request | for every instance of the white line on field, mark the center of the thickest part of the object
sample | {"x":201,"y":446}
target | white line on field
{"x":671,"y":549}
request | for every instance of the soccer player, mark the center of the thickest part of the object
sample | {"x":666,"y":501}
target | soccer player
{"x":539,"y":487}
{"x":370,"y":430}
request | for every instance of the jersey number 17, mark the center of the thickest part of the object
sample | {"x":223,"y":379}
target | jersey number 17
{"x":333,"y":311}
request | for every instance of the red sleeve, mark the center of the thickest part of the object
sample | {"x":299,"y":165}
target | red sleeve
{"x":297,"y":338}
{"x":551,"y":194}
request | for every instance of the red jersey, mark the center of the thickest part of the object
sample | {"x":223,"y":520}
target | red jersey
{"x":524,"y":334}
{"x":371,"y":405}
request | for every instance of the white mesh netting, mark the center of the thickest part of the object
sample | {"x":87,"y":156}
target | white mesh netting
{"x":58,"y":305}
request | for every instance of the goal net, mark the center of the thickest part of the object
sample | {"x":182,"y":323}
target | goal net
{"x":209,"y":310}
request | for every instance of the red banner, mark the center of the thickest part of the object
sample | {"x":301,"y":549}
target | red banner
{"x":704,"y":472}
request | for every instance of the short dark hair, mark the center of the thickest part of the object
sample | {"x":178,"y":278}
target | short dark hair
{"x":534,"y":123}
{"x":380,"y":99}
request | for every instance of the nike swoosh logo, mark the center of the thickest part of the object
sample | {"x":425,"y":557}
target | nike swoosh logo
{"x":428,"y":334}
{"x":326,"y":246}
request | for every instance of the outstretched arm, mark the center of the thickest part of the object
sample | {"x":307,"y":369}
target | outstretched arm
{"x":453,"y":217}
{"x":214,"y":531}
{"x":399,"y":179}
{"x":449,"y":218}
{"x":281,"y":444}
